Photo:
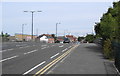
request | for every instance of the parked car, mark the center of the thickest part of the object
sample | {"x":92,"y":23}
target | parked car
{"x":57,"y":41}
{"x":66,"y":40}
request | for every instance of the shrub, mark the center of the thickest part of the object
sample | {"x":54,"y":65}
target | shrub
{"x":107,"y":49}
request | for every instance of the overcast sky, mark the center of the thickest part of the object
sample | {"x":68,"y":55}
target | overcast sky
{"x":77,"y":18}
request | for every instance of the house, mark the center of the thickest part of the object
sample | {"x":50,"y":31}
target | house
{"x":12,"y":38}
{"x":71,"y":38}
{"x":61,"y":38}
{"x":24,"y":37}
{"x":47,"y":38}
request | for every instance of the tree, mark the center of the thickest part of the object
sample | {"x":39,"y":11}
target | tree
{"x":90,"y":38}
{"x":109,"y":28}
{"x":2,"y":34}
{"x":53,"y":35}
{"x":80,"y":38}
{"x":6,"y":35}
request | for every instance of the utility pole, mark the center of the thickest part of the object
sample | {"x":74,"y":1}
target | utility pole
{"x":32,"y":12}
{"x":56,"y":30}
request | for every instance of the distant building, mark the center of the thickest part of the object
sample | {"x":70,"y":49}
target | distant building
{"x":61,"y":38}
{"x":12,"y":38}
{"x":47,"y":38}
{"x":71,"y":38}
{"x":24,"y":37}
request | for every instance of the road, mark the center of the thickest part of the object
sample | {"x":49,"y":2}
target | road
{"x":29,"y":57}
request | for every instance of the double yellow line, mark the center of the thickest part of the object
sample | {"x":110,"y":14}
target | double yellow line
{"x":48,"y":66}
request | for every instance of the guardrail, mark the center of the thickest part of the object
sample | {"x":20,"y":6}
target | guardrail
{"x":117,"y":54}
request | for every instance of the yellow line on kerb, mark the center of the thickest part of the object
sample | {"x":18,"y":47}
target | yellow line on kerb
{"x":48,"y":66}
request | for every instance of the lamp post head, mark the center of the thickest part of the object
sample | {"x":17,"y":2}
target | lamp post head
{"x":25,"y":11}
{"x":39,"y":11}
{"x":58,"y":23}
{"x":32,"y":11}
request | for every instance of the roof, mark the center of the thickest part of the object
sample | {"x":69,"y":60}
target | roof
{"x":23,"y":34}
{"x":61,"y":37}
{"x":47,"y":35}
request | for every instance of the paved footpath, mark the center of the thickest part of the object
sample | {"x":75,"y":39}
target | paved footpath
{"x":87,"y":58}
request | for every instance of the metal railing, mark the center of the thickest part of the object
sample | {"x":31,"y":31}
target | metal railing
{"x":117,"y":54}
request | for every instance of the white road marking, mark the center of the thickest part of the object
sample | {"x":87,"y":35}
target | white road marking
{"x":27,"y":46}
{"x":30,"y":52}
{"x":9,"y":49}
{"x":34,"y":68}
{"x":47,"y":46}
{"x":9,"y":58}
{"x":61,"y":46}
{"x":64,"y":50}
{"x":54,"y":55}
{"x":43,"y":47}
{"x":6,"y":50}
{"x":70,"y":46}
{"x":33,"y":45}
{"x":3,"y":50}
{"x":18,"y":45}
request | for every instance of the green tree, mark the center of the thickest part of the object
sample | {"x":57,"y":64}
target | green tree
{"x":80,"y":38}
{"x":90,"y":38}
{"x":109,"y":28}
{"x":2,"y":34}
{"x":6,"y":35}
{"x":53,"y":35}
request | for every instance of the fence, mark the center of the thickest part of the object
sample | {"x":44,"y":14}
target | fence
{"x":117,"y":54}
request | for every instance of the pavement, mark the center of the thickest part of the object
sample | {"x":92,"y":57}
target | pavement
{"x":87,"y":58}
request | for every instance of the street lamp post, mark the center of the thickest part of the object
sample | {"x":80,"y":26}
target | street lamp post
{"x":56,"y":29}
{"x":32,"y":12}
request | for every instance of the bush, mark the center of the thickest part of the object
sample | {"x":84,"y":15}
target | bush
{"x":107,"y":49}
{"x":90,"y":38}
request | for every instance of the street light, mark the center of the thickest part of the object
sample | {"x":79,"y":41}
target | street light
{"x":32,"y":21}
{"x":56,"y":28}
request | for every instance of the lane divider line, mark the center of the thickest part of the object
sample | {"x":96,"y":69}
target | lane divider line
{"x":27,"y":46}
{"x":9,"y":58}
{"x":70,"y":46}
{"x":43,"y":47}
{"x":48,"y":66}
{"x":61,"y":46}
{"x":18,"y":45}
{"x":30,"y":52}
{"x":34,"y":67}
{"x":64,"y":50}
{"x":33,"y":45}
{"x":54,"y":55}
{"x":9,"y":49}
{"x":3,"y":50}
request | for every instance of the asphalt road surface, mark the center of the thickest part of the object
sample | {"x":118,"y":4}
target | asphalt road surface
{"x":29,"y":57}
